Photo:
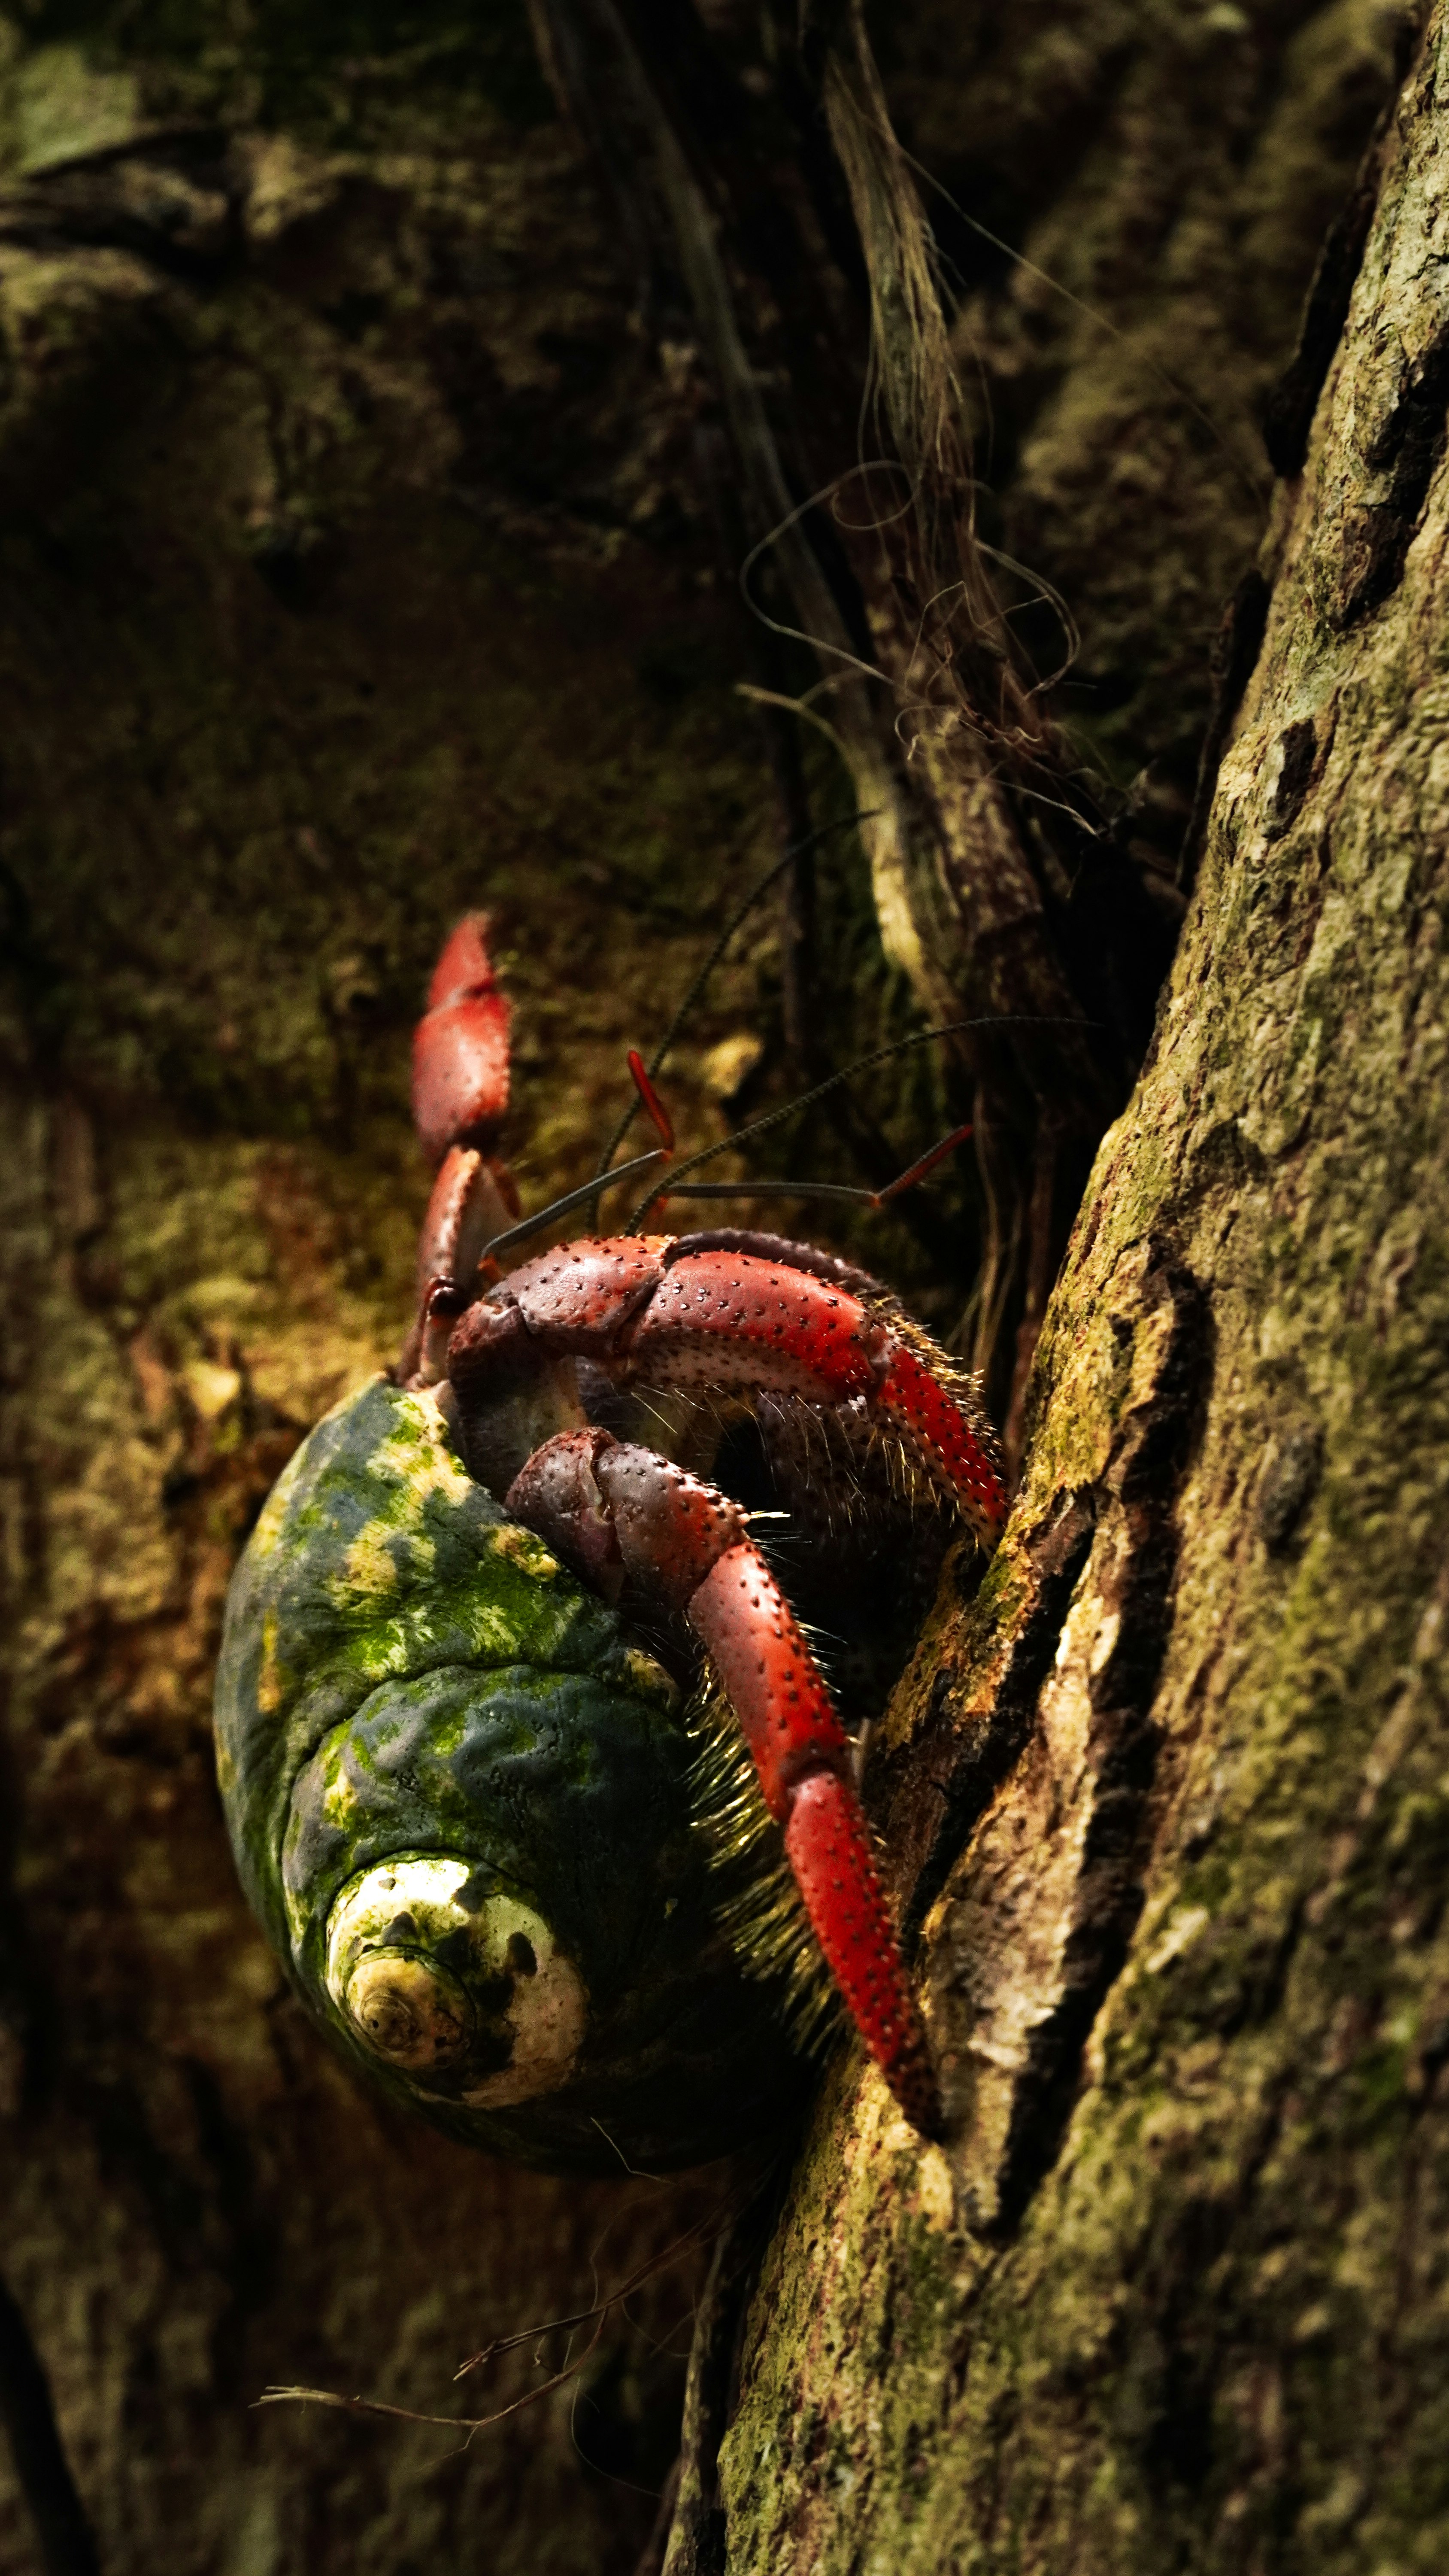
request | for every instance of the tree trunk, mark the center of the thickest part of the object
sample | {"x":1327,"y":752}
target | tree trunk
{"x":363,"y":529}
{"x":1174,"y":2294}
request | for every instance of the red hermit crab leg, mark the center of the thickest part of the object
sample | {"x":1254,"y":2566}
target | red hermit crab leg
{"x":652,"y":1309}
{"x":734,"y":1320}
{"x":614,"y":1510}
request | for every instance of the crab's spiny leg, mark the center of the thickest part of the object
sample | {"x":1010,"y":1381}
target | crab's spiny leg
{"x":802,"y":1755}
{"x":612,"y":1509}
{"x":738,"y":1321}
{"x":960,"y":1451}
{"x":648,"y":1309}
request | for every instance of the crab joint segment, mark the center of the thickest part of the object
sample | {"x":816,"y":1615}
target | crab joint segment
{"x":472,"y":1200}
{"x":613,"y":1510}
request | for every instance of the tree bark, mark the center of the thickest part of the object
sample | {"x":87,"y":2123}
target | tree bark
{"x":1173,"y":2295}
{"x":361,"y":541}
{"x":334,"y":600}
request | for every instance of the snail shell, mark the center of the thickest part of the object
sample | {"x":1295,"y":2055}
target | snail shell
{"x":459,"y":1795}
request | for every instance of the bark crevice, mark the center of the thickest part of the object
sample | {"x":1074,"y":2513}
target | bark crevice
{"x":62,"y":2530}
{"x":1127,"y":1592}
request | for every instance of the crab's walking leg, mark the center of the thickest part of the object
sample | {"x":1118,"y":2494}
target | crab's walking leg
{"x":614,"y":1510}
{"x":650,"y":1308}
{"x":734,"y":1319}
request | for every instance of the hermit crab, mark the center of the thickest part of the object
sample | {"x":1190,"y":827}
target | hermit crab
{"x":531,"y":1769}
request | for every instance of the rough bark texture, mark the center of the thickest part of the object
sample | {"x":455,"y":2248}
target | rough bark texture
{"x":324,"y":617}
{"x":1175,"y":2297}
{"x":357,"y":567}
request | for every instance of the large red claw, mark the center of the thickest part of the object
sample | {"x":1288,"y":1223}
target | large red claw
{"x":460,"y":1047}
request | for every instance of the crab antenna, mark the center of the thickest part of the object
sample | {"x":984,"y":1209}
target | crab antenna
{"x":571,"y":1199}
{"x":663,"y":1123}
{"x":927,"y":1163}
{"x":796,"y":850}
{"x":832,"y":1082}
{"x":816,"y":1189}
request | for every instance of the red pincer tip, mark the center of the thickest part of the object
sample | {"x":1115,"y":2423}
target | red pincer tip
{"x":464,"y":967}
{"x":460,"y":1047}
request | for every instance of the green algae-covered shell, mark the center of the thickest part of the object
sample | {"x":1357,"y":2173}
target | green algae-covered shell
{"x":457,"y":1795}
